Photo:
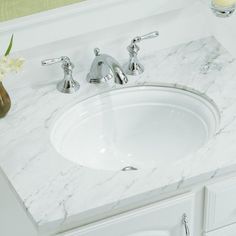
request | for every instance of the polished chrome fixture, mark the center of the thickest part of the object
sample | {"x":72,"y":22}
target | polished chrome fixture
{"x":129,"y":168}
{"x":105,"y":68}
{"x":68,"y":84}
{"x":223,"y":8}
{"x":185,"y":223}
{"x":134,"y":67}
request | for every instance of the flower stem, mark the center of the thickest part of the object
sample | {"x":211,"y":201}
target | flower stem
{"x":9,"y":46}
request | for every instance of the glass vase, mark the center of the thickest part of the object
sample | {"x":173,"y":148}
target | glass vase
{"x":5,"y":101}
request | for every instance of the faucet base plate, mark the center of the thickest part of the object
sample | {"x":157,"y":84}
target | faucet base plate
{"x":68,"y":86}
{"x":134,"y":69}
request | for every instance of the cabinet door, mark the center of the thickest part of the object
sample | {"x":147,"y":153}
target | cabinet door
{"x":220,"y":204}
{"x":161,"y":219}
{"x":226,"y":231}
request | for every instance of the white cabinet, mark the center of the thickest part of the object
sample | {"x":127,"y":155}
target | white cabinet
{"x":161,"y":219}
{"x":226,"y":231}
{"x":220,"y":204}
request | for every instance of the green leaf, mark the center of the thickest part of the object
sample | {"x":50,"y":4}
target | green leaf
{"x":9,"y":46}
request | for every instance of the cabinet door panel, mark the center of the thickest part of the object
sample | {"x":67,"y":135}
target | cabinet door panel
{"x":151,"y":233}
{"x":161,"y":219}
{"x":220,"y":204}
{"x":226,"y":231}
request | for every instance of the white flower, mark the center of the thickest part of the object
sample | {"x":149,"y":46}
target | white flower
{"x":4,"y":62}
{"x":15,"y":64}
{"x":8,"y":64}
{"x":3,"y":68}
{"x":2,"y":74}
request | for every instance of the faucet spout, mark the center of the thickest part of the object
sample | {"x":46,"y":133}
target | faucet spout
{"x":105,"y":68}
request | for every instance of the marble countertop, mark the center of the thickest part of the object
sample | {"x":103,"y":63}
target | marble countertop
{"x":58,"y":193}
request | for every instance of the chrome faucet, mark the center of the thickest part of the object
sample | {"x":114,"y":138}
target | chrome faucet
{"x":134,"y":67}
{"x":105,"y":68}
{"x":68,"y":84}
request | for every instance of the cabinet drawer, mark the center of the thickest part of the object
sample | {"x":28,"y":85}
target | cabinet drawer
{"x":161,"y":219}
{"x":226,"y":231}
{"x":220,"y":204}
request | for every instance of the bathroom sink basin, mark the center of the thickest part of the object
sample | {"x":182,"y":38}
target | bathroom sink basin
{"x":135,"y":128}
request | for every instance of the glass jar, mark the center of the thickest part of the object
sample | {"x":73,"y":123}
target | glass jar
{"x":223,"y":8}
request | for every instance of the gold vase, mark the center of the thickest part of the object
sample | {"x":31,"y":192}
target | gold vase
{"x":5,"y":101}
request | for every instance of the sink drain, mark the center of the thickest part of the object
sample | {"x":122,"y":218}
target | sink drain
{"x":129,"y":168}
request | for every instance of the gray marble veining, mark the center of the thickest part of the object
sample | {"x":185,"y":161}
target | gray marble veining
{"x":55,"y":191}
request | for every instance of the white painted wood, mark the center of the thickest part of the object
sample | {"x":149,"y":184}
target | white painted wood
{"x":226,"y":231}
{"x":81,"y":18}
{"x":13,"y":219}
{"x":198,"y":210}
{"x":161,"y":219}
{"x":220,"y":204}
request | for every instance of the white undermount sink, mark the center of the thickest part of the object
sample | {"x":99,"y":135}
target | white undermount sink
{"x":135,"y":127}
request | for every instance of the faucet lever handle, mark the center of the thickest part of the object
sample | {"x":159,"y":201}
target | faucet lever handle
{"x":68,"y":84}
{"x":97,"y":52}
{"x":65,"y":60}
{"x":150,"y":35}
{"x":52,"y":61}
{"x":134,"y":67}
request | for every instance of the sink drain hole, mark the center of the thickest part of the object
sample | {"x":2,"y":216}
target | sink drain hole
{"x":129,"y":168}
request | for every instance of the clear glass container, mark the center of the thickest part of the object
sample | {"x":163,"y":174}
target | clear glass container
{"x":5,"y":101}
{"x":223,"y":8}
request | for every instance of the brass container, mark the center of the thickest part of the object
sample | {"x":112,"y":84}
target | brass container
{"x":5,"y":101}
